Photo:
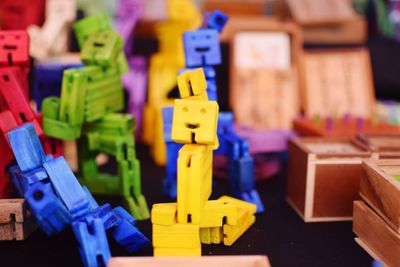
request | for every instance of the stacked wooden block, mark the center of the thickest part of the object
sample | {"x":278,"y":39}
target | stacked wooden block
{"x":180,"y":228}
{"x":377,"y":218}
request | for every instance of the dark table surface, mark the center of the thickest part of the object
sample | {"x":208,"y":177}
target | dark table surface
{"x":279,"y":233}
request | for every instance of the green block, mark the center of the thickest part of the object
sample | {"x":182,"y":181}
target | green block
{"x":73,"y":93}
{"x":60,"y":130}
{"x":397,"y":177}
{"x":93,"y":24}
{"x":51,"y":107}
{"x":102,"y":48}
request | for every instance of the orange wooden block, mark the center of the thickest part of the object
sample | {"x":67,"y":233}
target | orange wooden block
{"x":375,"y":236}
{"x":209,"y":261}
{"x":324,"y":176}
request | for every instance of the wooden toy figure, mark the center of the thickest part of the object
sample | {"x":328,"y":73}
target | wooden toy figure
{"x":182,"y":15}
{"x":87,"y":111}
{"x":202,"y":50}
{"x":180,"y":228}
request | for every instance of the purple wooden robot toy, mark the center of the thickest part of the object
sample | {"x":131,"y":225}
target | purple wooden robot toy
{"x":135,"y":80}
{"x":202,"y":49}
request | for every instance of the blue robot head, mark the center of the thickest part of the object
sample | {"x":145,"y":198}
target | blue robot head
{"x":201,"y":48}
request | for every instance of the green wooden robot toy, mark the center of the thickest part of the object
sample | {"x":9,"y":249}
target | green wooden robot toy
{"x":88,"y":111}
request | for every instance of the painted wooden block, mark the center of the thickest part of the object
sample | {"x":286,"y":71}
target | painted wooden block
{"x":380,"y":188}
{"x":209,"y":261}
{"x":236,"y":7}
{"x":15,"y":220}
{"x":375,"y":236}
{"x":387,"y":146}
{"x":324,"y":176}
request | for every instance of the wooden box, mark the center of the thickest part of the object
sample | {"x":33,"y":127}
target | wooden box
{"x":380,"y":188}
{"x":375,"y":236}
{"x":209,"y":261}
{"x":387,"y":146}
{"x":338,"y":83}
{"x":264,"y":72}
{"x":324,"y":176}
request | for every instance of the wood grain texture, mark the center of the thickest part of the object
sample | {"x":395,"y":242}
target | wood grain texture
{"x":380,"y":239}
{"x":297,"y":177}
{"x":234,"y":7}
{"x":336,"y":187}
{"x":381,"y":191}
{"x":209,"y":261}
{"x":15,"y":221}
{"x":338,"y":82}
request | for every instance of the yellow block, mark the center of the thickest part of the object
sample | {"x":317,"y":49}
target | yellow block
{"x":214,"y":214}
{"x":211,"y":235}
{"x":251,"y":208}
{"x":217,"y":212}
{"x":171,"y":252}
{"x":176,"y":236}
{"x":233,"y":232}
{"x":192,"y":85}
{"x":163,"y":214}
{"x":194,"y":181}
{"x":195,"y":121}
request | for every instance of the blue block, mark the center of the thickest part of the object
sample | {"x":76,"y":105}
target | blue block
{"x":26,"y":146}
{"x":47,"y":80}
{"x":126,"y":234}
{"x":242,"y":172}
{"x":212,"y":90}
{"x":92,"y":238}
{"x":215,"y":20}
{"x":167,"y":115}
{"x":92,"y":202}
{"x":202,"y":48}
{"x":225,"y":122}
{"x":51,"y":215}
{"x":67,"y":187}
{"x":23,"y":181}
{"x":254,"y":198}
{"x":107,"y":216}
{"x":169,"y":183}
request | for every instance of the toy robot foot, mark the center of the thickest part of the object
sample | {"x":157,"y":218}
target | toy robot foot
{"x":138,"y":207}
{"x":253,"y":197}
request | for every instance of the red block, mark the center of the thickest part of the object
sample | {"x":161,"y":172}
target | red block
{"x":19,"y":14}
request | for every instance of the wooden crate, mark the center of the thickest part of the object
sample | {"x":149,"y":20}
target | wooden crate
{"x":209,"y":261}
{"x":258,"y":81}
{"x":337,"y":83}
{"x":342,"y":127}
{"x":387,"y":146}
{"x":324,"y":176}
{"x":380,"y":189}
{"x":375,"y":236}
